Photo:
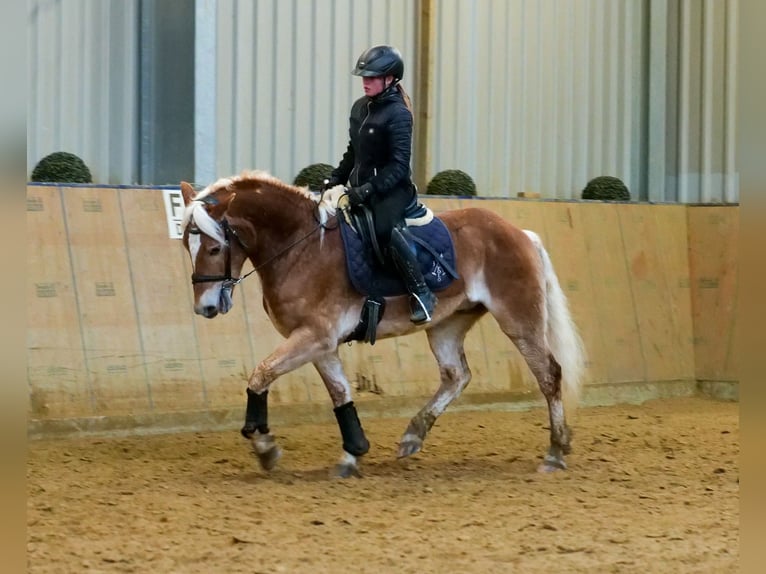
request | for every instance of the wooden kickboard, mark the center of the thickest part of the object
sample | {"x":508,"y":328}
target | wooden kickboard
{"x":614,"y":344}
{"x":163,"y":304}
{"x":672,"y":249}
{"x":106,"y":301}
{"x":654,"y":284}
{"x":713,"y":245}
{"x":58,"y":378}
{"x":111,"y":329}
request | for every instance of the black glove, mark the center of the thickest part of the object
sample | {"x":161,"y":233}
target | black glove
{"x":358,"y":195}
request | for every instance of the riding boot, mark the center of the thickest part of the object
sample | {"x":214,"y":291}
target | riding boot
{"x":422,"y":300}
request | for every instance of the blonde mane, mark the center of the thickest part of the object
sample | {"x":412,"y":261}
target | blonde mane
{"x":255,"y":176}
{"x":209,"y":226}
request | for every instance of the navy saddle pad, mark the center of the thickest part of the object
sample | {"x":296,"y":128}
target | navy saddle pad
{"x":370,"y":278}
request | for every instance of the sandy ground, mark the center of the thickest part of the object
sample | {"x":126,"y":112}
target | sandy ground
{"x":651,"y":488}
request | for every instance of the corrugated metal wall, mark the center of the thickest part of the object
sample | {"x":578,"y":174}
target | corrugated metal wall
{"x":538,"y":96}
{"x":526,"y":95}
{"x":702,"y":78}
{"x":284,"y":87}
{"x":83,"y":84}
{"x":543,"y":95}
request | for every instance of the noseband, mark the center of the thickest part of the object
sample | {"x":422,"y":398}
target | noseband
{"x":228,"y":280}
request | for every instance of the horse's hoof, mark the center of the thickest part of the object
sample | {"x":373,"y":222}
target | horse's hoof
{"x":410,"y":445}
{"x":552,"y":464}
{"x":267,"y":451}
{"x":343,"y":470}
{"x":269,"y":459}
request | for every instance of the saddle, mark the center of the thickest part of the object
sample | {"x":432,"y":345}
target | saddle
{"x":371,"y":272}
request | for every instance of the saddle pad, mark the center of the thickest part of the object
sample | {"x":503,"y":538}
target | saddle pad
{"x":370,"y":278}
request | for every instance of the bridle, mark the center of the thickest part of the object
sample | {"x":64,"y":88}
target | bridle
{"x":227,"y":279}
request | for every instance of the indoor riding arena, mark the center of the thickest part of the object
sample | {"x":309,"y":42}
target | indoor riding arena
{"x":136,"y":462}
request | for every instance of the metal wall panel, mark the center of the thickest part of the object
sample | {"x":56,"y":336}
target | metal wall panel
{"x":543,"y":95}
{"x":538,"y":95}
{"x":527,"y":95}
{"x":703,"y":100}
{"x":283,"y":82}
{"x":83,"y":87}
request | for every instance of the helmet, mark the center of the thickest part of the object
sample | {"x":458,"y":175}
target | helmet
{"x":380,"y":61}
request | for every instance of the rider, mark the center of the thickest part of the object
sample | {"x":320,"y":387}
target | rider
{"x":376,"y":164}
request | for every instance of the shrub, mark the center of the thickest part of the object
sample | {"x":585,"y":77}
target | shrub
{"x":451,"y":182}
{"x":313,"y":176}
{"x":606,"y":188}
{"x":61,"y":167}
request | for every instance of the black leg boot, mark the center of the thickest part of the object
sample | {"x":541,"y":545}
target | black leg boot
{"x":422,"y":300}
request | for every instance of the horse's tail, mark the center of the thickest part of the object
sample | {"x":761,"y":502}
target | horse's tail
{"x":561,"y":332}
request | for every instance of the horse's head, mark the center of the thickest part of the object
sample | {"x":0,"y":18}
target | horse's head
{"x":217,"y":256}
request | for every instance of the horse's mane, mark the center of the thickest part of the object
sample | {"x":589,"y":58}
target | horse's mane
{"x":326,"y":203}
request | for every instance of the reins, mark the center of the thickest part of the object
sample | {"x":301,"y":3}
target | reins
{"x":279,"y":253}
{"x":227,"y":279}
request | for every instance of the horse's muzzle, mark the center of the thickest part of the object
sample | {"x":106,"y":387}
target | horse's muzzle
{"x":223,"y":303}
{"x":208,"y":311}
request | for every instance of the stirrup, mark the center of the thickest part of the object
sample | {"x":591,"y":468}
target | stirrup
{"x":421,"y":307}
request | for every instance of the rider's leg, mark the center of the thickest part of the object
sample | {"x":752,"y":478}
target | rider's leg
{"x":422,"y":300}
{"x":388,"y":212}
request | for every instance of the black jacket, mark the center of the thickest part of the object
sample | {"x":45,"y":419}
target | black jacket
{"x":380,"y":144}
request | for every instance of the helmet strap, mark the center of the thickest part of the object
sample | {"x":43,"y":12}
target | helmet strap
{"x":389,"y":87}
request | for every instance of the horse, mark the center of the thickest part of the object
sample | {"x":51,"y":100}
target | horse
{"x":289,"y":234}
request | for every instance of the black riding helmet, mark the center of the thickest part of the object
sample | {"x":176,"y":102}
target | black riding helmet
{"x":380,"y":61}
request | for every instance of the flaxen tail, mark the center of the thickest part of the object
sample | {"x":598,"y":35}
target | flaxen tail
{"x":562,"y":336}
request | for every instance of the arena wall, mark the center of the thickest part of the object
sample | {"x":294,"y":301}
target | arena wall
{"x":114,"y":347}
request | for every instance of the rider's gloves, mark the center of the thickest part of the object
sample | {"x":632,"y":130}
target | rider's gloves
{"x":358,"y":195}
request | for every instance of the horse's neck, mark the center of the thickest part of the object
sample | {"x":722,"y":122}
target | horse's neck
{"x":277,"y":227}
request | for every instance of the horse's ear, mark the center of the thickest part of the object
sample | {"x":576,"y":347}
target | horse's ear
{"x":188,"y":192}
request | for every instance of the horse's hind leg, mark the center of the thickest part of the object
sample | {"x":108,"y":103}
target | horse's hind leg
{"x":446,"y":341}
{"x":355,"y":443}
{"x":548,"y":374}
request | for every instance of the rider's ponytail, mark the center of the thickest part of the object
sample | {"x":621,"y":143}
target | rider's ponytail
{"x":405,"y":95}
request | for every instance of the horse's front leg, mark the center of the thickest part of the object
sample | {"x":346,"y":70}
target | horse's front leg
{"x":355,"y":443}
{"x":257,"y":430}
{"x":298,"y":349}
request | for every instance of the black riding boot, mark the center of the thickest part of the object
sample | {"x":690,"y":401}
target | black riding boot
{"x":422,"y":301}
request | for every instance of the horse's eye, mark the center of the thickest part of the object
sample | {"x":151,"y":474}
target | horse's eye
{"x":215,"y":250}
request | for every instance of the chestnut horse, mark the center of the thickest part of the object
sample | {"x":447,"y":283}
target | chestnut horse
{"x":290,"y":236}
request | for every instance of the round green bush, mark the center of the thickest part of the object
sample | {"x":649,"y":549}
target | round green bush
{"x":451,"y":182}
{"x":606,"y":188}
{"x":313,"y":176}
{"x":61,"y":167}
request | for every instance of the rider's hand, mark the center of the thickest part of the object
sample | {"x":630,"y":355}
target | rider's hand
{"x":358,"y":195}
